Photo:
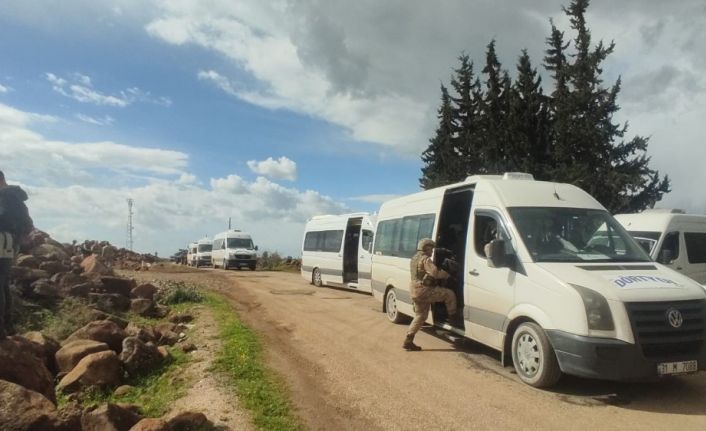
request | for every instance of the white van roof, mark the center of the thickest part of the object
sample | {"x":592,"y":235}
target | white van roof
{"x":509,"y":190}
{"x":233,"y":233}
{"x":658,"y":220}
{"x":205,"y":241}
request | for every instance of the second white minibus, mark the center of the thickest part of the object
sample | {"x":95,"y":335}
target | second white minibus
{"x":234,"y":249}
{"x":336,"y":250}
{"x":547,"y":277}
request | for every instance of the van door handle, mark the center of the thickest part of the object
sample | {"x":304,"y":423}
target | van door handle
{"x":473,"y":272}
{"x":679,"y":268}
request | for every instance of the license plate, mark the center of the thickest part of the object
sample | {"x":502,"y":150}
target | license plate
{"x":682,"y":367}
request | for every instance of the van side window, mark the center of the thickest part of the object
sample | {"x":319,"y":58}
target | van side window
{"x":408,"y":237}
{"x":671,"y":242}
{"x":695,"y":246}
{"x":366,"y":241}
{"x":486,"y":228}
{"x":311,"y":240}
{"x":332,"y":240}
{"x":386,"y":237}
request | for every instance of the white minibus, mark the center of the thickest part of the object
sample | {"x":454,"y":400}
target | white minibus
{"x":203,"y":252}
{"x":671,"y":237}
{"x":336,"y":250}
{"x":563,"y":287}
{"x":234,"y":249}
{"x":191,"y":254}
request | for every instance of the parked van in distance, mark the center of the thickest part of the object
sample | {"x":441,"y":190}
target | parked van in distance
{"x":336,"y":250}
{"x":234,"y":249}
{"x":671,"y":237}
{"x":203,"y":252}
{"x":563,"y":287}
{"x":191,"y":254}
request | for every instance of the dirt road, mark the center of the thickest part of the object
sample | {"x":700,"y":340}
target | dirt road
{"x":343,"y":362}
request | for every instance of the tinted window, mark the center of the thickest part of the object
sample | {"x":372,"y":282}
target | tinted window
{"x":205,"y":247}
{"x":311,"y":241}
{"x":332,"y":240}
{"x":407,"y":245}
{"x":386,"y":237}
{"x":240,"y":243}
{"x":366,"y":241}
{"x":695,"y":246}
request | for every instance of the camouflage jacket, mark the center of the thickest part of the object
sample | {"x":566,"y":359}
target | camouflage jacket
{"x":424,"y":275}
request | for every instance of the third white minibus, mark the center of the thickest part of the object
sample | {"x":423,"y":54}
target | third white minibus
{"x":563,"y":287}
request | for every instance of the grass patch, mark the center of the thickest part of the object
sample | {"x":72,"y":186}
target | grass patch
{"x":177,"y":292}
{"x":241,"y":361}
{"x":58,"y":322}
{"x":154,"y":392}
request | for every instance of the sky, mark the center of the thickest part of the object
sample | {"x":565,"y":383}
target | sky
{"x":270,"y":112}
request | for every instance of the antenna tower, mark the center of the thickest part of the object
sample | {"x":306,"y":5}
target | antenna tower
{"x":130,"y":228}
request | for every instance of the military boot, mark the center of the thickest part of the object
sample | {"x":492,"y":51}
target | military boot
{"x":409,"y":344}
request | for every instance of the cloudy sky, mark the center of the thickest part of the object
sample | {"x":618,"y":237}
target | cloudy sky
{"x":271,"y":112}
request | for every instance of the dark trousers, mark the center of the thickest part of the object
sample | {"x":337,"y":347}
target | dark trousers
{"x":5,"y":298}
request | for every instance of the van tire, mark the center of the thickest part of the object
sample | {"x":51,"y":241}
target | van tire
{"x":533,"y":356}
{"x":391,"y":311}
{"x":316,"y":278}
{"x":225,"y":265}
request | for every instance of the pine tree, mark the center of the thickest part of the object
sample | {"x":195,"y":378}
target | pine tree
{"x":529,"y":122}
{"x":589,"y":149}
{"x":441,"y":159}
{"x":494,"y":115}
{"x":465,"y":114}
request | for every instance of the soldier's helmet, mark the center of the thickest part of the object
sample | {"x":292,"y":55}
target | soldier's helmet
{"x":425,"y":242}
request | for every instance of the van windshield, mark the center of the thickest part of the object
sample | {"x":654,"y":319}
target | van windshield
{"x":205,"y":247}
{"x":240,"y":243}
{"x":575,"y":235}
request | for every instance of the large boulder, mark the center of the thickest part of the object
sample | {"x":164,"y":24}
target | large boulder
{"x":93,"y":267}
{"x":101,"y":330}
{"x":189,"y":421}
{"x":72,"y":352}
{"x":109,"y":302}
{"x":27,"y":275}
{"x":144,"y":333}
{"x":119,"y":285}
{"x":81,"y":290}
{"x":22,"y":362}
{"x":150,"y":424}
{"x":109,"y":417}
{"x":102,"y":315}
{"x":27,"y":261}
{"x":23,"y":409}
{"x":53,"y":267}
{"x":100,"y":369}
{"x":45,"y":289}
{"x":142,"y":307}
{"x":48,"y":346}
{"x":138,"y":357}
{"x":50,"y":251}
{"x":145,"y":291}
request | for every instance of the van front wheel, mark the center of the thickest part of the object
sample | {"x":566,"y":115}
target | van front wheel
{"x":316,"y":278}
{"x":533,"y":356}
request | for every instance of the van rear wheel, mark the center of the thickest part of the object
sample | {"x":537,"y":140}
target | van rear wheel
{"x":225,"y":264}
{"x":316,"y":278}
{"x":393,"y":314}
{"x":533,"y":356}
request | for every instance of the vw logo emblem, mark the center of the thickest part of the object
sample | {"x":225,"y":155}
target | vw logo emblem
{"x":674,"y":317}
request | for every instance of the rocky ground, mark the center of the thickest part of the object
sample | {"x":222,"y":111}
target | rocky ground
{"x":94,"y":332}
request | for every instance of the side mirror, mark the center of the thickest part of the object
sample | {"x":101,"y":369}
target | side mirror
{"x":495,"y":252}
{"x":665,"y":257}
{"x":256,"y":248}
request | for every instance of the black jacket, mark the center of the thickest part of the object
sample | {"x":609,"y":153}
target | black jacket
{"x":14,"y":216}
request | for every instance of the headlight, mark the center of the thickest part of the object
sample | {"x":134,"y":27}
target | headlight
{"x":597,"y":310}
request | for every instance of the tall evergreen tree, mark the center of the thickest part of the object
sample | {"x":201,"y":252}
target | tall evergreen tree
{"x":494,"y":115}
{"x":529,"y":122}
{"x":465,"y":114}
{"x":589,"y":147}
{"x":441,"y":159}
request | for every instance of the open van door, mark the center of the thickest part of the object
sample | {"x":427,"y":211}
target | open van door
{"x":365,"y":260}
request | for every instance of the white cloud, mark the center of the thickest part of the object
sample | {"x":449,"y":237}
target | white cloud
{"x":28,"y":155}
{"x":280,"y":169}
{"x":105,"y":121}
{"x":3,"y":89}
{"x":81,"y":89}
{"x":374,"y":199}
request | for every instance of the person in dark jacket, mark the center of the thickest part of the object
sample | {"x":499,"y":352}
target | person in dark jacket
{"x":15,"y":225}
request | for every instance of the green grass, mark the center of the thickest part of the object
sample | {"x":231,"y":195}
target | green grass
{"x":154,"y":392}
{"x":59,"y":322}
{"x":241,"y":361}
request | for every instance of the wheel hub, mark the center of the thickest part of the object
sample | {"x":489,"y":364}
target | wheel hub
{"x":528,"y":354}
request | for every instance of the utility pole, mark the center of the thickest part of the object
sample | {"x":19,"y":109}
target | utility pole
{"x":228,"y":223}
{"x":130,"y":228}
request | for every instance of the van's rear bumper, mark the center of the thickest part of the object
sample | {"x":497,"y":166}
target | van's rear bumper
{"x":609,"y":359}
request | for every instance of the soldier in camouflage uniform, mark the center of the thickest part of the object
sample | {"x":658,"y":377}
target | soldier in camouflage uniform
{"x":425,"y":291}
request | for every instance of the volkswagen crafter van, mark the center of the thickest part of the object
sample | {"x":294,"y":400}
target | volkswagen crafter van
{"x":234,"y":249}
{"x":547,"y":277}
